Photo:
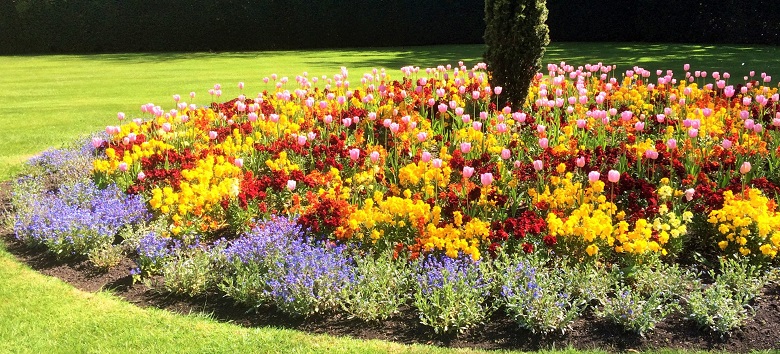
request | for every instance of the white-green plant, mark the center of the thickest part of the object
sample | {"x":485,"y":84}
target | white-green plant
{"x":381,"y":286}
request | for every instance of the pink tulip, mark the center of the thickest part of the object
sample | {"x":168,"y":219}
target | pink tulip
{"x":97,"y":142}
{"x":354,"y":154}
{"x":671,"y":144}
{"x":465,"y":147}
{"x":166,"y":127}
{"x":651,"y":154}
{"x":477,"y":126}
{"x":506,"y":154}
{"x":498,"y":90}
{"x":426,"y":156}
{"x":726,"y":144}
{"x":468,"y":171}
{"x":212,"y":135}
{"x":501,"y":128}
{"x":466,"y":118}
{"x":122,"y":166}
{"x":486,"y":179}
{"x":458,"y":111}
{"x":291,"y":184}
{"x":394,"y":127}
{"x":613,"y":176}
{"x":745,"y":168}
{"x":120,"y":116}
{"x":141,"y":175}
{"x":437,"y":163}
{"x":538,"y":165}
{"x":301,"y":140}
{"x":442,"y":108}
{"x":543,"y":143}
{"x":593,"y":176}
{"x":421,"y":136}
{"x":689,"y":194}
{"x":693,"y":132}
{"x":540,"y":128}
{"x":580,"y":162}
{"x":582,"y":123}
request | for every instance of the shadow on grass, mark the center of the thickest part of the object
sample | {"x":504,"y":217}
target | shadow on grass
{"x":736,"y":59}
{"x":389,"y":57}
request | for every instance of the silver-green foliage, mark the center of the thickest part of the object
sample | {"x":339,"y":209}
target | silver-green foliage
{"x":724,"y":305}
{"x":381,"y":286}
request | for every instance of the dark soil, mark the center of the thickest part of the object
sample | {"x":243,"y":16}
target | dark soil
{"x":500,"y":332}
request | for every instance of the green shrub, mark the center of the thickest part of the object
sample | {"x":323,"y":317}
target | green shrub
{"x":516,"y":36}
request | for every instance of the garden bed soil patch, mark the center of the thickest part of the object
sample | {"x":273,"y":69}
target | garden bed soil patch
{"x":762,"y":332}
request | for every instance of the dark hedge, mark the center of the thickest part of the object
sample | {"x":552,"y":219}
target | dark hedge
{"x":87,"y":26}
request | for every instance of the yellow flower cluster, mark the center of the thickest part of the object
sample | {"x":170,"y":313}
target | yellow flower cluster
{"x":591,"y":222}
{"x":567,"y":194}
{"x":146,"y":149}
{"x":748,"y":223}
{"x":281,"y":163}
{"x":202,"y":188}
{"x":404,"y":219}
{"x":457,"y":237}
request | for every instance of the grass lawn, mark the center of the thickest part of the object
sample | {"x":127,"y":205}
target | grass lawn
{"x":48,"y":100}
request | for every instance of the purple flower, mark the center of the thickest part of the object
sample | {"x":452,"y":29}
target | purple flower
{"x":78,"y":218}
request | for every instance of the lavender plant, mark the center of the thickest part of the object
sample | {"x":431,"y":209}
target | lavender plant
{"x":541,"y":300}
{"x":58,"y":167}
{"x":277,"y":264}
{"x":309,"y":278}
{"x":634,"y":311}
{"x":451,"y":294}
{"x":247,"y":259}
{"x":725,"y":305}
{"x":78,"y":219}
{"x":381,"y":286}
{"x":153,"y":251}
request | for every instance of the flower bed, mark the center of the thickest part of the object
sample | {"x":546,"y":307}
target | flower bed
{"x":325,"y":195}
